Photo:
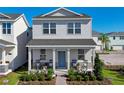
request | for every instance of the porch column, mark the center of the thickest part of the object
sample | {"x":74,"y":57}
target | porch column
{"x":68,"y":59}
{"x":54,"y":60}
{"x":3,"y":55}
{"x":29,"y":59}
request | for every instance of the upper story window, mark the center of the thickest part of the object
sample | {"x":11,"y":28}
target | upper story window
{"x":70,"y":28}
{"x":6,"y":28}
{"x":46,"y":28}
{"x":113,"y":37}
{"x":74,"y":28}
{"x":121,"y":37}
{"x":77,"y":28}
{"x":49,"y":28}
{"x":53,"y":28}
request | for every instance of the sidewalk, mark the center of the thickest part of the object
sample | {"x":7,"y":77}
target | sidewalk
{"x":60,"y":79}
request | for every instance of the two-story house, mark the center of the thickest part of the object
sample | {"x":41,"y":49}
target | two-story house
{"x":13,"y":39}
{"x":96,"y":38}
{"x":116,"y":40}
{"x":61,"y":37}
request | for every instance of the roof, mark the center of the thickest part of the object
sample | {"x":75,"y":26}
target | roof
{"x":9,"y":16}
{"x":82,"y":16}
{"x":94,"y":33}
{"x":74,"y":14}
{"x":116,"y":34}
{"x":61,"y":42}
{"x":3,"y":42}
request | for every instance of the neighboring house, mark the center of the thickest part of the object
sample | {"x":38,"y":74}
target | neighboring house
{"x":61,"y":37}
{"x":96,"y":36}
{"x":116,"y":40}
{"x":13,"y":39}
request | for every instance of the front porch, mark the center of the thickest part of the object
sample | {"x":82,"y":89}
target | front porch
{"x":59,"y":58}
{"x":6,"y":49}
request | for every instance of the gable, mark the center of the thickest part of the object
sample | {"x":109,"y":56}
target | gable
{"x":61,"y":12}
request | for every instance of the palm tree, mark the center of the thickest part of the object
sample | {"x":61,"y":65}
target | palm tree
{"x":104,"y":40}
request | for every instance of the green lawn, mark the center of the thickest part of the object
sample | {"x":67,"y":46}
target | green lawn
{"x":117,"y":79}
{"x":13,"y":77}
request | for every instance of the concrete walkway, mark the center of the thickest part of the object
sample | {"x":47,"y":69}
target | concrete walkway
{"x":61,"y":79}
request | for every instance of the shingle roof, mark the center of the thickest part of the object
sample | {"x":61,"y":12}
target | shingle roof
{"x":116,"y":34}
{"x":6,"y":42}
{"x":75,"y":16}
{"x":61,"y":42}
{"x":12,"y":16}
{"x":94,"y":33}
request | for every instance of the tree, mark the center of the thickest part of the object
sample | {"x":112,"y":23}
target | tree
{"x":98,"y":67}
{"x":104,"y":40}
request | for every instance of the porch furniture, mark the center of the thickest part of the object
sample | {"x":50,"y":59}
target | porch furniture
{"x":73,"y":63}
{"x":82,"y":65}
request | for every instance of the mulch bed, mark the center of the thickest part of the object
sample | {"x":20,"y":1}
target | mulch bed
{"x":96,"y":82}
{"x":51,"y":82}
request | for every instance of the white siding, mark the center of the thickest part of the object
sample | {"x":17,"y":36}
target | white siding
{"x":61,"y":30}
{"x":7,"y":37}
{"x":20,"y":39}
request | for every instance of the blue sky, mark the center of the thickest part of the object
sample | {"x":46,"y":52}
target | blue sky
{"x":105,"y":19}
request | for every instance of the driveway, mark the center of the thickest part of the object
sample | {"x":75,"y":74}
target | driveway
{"x":114,"y":58}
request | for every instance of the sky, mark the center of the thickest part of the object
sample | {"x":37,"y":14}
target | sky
{"x":105,"y":19}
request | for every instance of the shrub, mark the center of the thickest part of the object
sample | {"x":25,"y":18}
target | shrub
{"x":86,"y":78}
{"x":98,"y":67}
{"x":33,"y":76}
{"x":71,"y":72}
{"x":79,"y":77}
{"x":41,"y":76}
{"x":50,"y":71}
{"x":50,"y":74}
{"x":92,"y":77}
{"x":25,"y":77}
{"x":72,"y":77}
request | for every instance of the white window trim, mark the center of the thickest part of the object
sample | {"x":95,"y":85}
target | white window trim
{"x":49,"y":28}
{"x":7,"y":28}
{"x":74,"y":29}
{"x":81,"y":54}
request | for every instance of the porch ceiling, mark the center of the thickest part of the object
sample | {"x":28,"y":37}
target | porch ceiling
{"x":61,"y":42}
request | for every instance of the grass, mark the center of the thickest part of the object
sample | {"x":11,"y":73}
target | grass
{"x":13,"y":77}
{"x":117,"y":79}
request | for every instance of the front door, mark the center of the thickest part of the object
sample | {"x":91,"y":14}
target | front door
{"x":61,"y":60}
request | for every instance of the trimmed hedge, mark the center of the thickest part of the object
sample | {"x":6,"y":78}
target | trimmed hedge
{"x":114,"y":67}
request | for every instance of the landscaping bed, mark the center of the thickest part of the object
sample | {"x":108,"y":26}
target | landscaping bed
{"x":95,"y":82}
{"x":51,"y":82}
{"x":40,"y":77}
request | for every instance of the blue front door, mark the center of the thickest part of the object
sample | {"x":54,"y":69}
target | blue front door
{"x":61,"y":60}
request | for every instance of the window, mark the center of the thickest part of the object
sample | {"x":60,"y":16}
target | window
{"x":43,"y":54}
{"x":113,"y":37}
{"x":74,"y":28}
{"x":46,"y":28}
{"x":53,"y":28}
{"x":121,"y":37}
{"x":70,"y":28}
{"x":81,"y":54}
{"x":6,"y":28}
{"x":49,"y":28}
{"x":77,"y":28}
